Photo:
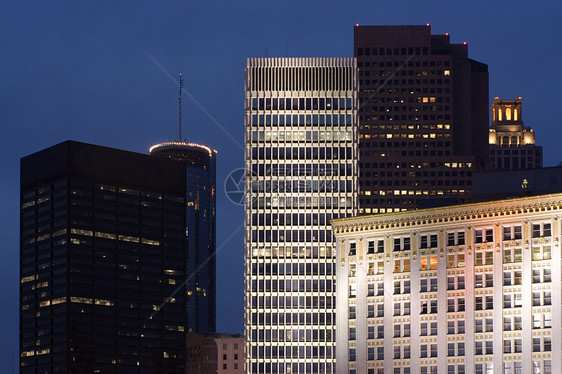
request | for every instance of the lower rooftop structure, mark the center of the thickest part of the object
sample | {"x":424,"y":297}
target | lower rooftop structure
{"x":470,"y":288}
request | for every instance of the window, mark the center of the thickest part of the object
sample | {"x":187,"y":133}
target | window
{"x":478,"y":325}
{"x":512,"y":232}
{"x":428,"y":263}
{"x":541,"y":253}
{"x":406,"y":330}
{"x":352,"y":268}
{"x":489,"y":325}
{"x":507,"y":346}
{"x":371,"y":332}
{"x":433,"y":350}
{"x":460,"y":327}
{"x":370,"y":247}
{"x":380,"y":246}
{"x":352,"y":249}
{"x":451,"y":350}
{"x":478,"y":303}
{"x":370,"y":354}
{"x":478,"y":348}
{"x":484,"y":236}
{"x":352,"y":290}
{"x":352,"y":333}
{"x":370,"y":311}
{"x":397,"y":330}
{"x":352,"y":354}
{"x":433,"y":328}
{"x":460,"y":349}
{"x":423,"y":329}
{"x":541,"y":230}
{"x":352,"y":312}
{"x":455,"y":238}
{"x":517,"y":345}
{"x":512,"y":255}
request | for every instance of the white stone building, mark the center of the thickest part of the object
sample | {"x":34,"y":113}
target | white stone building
{"x":463,"y":289}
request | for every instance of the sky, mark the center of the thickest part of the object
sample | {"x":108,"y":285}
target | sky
{"x":105,"y":72}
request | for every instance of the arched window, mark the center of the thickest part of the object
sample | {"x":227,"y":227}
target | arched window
{"x":508,"y":114}
{"x":499,"y":114}
{"x":513,"y":141}
{"x":515,"y":114}
{"x":494,"y":115}
{"x":505,"y":140}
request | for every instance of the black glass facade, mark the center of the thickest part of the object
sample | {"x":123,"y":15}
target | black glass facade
{"x":102,"y":256}
{"x":200,"y":162}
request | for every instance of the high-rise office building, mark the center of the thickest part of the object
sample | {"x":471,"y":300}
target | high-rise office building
{"x":102,"y":255}
{"x":512,"y":144}
{"x":423,"y":117}
{"x":463,"y":289}
{"x":200,"y":162}
{"x":301,"y":160}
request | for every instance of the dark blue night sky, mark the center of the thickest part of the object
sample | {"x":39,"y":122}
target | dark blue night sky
{"x":82,"y":70}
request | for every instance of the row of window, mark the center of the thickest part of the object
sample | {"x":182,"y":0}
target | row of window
{"x":291,"y":269}
{"x":300,"y":103}
{"x":302,"y":153}
{"x":458,"y":238}
{"x":302,"y":120}
{"x":300,"y":169}
{"x":292,"y":301}
{"x":314,"y":285}
{"x":292,"y":335}
{"x":301,"y":136}
{"x":302,"y":185}
{"x":291,"y":236}
{"x":302,"y":202}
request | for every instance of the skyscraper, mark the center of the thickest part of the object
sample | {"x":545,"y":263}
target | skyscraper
{"x":423,"y":117}
{"x":200,"y":162}
{"x":301,"y":160}
{"x":512,"y":145}
{"x":102,"y":257}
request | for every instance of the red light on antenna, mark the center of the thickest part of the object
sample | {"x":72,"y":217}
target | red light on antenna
{"x":356,"y":24}
{"x":447,"y":34}
{"x":464,"y":43}
{"x":427,"y":24}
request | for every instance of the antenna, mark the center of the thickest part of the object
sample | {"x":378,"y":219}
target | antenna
{"x":179,"y":99}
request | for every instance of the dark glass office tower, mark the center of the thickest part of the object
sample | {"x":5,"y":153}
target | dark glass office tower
{"x":423,"y":117}
{"x":200,"y":164}
{"x":102,"y":256}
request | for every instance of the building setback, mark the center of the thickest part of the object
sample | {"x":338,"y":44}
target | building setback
{"x":102,"y":254}
{"x":463,"y":289}
{"x":423,"y":117}
{"x":512,"y":145}
{"x":301,"y":155}
{"x":200,"y":162}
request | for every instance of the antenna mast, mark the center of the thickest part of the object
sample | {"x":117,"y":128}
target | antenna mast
{"x":179,"y":99}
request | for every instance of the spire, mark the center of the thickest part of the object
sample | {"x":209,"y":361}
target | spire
{"x":179,"y":99}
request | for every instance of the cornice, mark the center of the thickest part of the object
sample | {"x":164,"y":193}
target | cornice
{"x":446,"y":215}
